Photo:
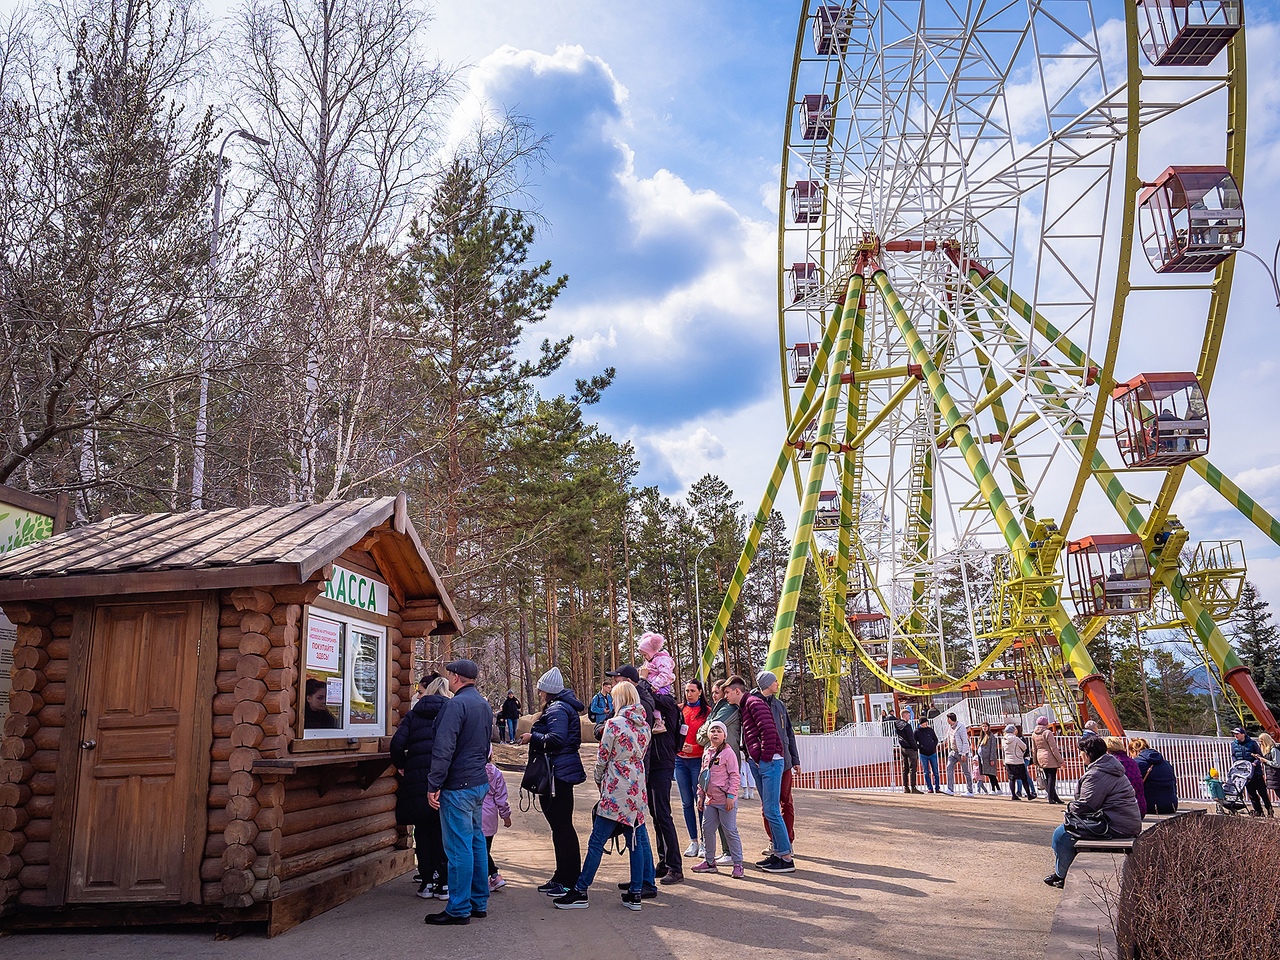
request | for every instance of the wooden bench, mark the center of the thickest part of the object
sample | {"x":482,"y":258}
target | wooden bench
{"x":1117,"y":845}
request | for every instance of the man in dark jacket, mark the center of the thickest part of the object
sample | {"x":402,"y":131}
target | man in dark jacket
{"x":510,"y":714}
{"x":457,"y":785}
{"x":1246,"y":748}
{"x":910,"y":752}
{"x":411,"y":755}
{"x":764,"y":750}
{"x":927,"y":745}
{"x":790,"y":753}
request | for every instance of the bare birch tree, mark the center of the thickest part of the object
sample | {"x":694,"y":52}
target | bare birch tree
{"x":351,"y":109}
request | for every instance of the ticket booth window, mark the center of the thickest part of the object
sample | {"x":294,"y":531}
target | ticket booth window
{"x":344,"y":677}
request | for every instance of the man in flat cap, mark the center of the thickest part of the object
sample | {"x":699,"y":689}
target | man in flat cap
{"x":456,"y":787}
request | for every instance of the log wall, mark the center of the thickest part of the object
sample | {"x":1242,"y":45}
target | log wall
{"x":262,"y":832}
{"x":254,"y":708}
{"x":29,"y":749}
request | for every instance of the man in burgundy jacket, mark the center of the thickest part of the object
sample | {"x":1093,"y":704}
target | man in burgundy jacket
{"x":763,"y":747}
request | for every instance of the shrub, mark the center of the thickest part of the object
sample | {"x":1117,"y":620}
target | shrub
{"x":1202,"y":886}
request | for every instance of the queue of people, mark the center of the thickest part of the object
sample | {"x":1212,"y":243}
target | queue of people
{"x":710,"y":746}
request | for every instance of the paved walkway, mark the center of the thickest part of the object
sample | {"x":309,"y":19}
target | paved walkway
{"x":879,"y":878}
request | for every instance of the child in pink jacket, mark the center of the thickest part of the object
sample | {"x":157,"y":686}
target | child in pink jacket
{"x":495,"y":805}
{"x":718,"y":786}
{"x":662,"y":668}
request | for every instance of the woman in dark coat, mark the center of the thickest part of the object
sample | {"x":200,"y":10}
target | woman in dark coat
{"x":990,"y":749}
{"x":557,"y":734}
{"x":411,"y":755}
{"x":1159,"y":780}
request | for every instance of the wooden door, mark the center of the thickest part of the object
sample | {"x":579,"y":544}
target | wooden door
{"x":137,"y":756}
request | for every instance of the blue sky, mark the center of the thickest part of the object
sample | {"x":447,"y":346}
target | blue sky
{"x":666,"y":124}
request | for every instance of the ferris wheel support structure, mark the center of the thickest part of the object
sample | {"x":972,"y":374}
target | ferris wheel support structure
{"x":921,"y":153}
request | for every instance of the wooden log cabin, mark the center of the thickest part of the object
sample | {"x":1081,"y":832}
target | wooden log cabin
{"x":201,"y":712}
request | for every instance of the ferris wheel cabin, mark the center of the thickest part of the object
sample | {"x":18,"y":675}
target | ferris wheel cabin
{"x":802,"y":355}
{"x":1110,"y":575}
{"x":832,"y":25}
{"x":815,"y":116}
{"x":806,"y":201}
{"x":1187,"y":33}
{"x":1160,"y":420}
{"x":1191,"y":219}
{"x":804,"y":281}
{"x":827,"y":516}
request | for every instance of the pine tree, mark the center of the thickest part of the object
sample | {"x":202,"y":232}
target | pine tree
{"x":1257,"y":640}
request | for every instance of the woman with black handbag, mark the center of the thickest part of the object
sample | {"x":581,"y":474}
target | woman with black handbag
{"x":554,"y":767}
{"x":1104,"y":807}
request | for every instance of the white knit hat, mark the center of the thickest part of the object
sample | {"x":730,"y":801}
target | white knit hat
{"x":551,"y":682}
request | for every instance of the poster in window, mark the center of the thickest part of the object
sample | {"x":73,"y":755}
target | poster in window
{"x":364,"y":680}
{"x":324,"y":645}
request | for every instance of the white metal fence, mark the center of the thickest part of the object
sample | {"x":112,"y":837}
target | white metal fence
{"x":850,"y":760}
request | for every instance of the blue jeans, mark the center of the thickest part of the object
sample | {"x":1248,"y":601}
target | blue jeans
{"x":511,"y":731}
{"x":687,"y":770}
{"x":1064,"y":850}
{"x":643,"y":872}
{"x":465,"y":847}
{"x":929,"y":767}
{"x":769,"y":779}
{"x":601,"y":831}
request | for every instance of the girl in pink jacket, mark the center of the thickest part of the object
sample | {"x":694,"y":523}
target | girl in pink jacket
{"x":495,"y":805}
{"x":718,"y":786}
{"x":662,"y":668}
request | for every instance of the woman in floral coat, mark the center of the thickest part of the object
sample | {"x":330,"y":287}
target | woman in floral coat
{"x":622,"y":808}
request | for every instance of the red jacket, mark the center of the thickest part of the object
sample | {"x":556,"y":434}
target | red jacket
{"x":759,"y":731}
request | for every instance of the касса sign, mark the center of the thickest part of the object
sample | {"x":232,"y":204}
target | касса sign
{"x":357,"y":590}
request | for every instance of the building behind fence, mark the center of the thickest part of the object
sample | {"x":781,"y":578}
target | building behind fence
{"x":854,"y":759}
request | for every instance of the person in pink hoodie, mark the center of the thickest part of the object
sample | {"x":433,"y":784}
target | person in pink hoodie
{"x":718,"y":786}
{"x":495,"y":805}
{"x":662,"y":668}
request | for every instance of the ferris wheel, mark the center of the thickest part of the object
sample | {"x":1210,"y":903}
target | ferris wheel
{"x":1005,"y":250}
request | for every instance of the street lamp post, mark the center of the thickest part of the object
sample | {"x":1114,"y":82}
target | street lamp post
{"x":206,"y":329}
{"x":697,"y":609}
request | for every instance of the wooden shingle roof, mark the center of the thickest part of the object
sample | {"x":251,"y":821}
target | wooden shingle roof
{"x":220,"y":549}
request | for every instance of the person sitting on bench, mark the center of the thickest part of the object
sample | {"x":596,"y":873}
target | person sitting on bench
{"x":1104,"y":787}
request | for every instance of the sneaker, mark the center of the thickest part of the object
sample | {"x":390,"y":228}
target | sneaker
{"x":778,"y":865}
{"x":425,"y":891}
{"x":1054,"y":880}
{"x":552,"y":889}
{"x":573,"y":900}
{"x":768,"y":852}
{"x":441,"y":891}
{"x":724,"y":860}
{"x":496,"y":882}
{"x":738,"y":873}
{"x":672,"y":878}
{"x":949,"y":792}
{"x":702,"y":850}
{"x":769,"y":859}
{"x":646,"y":893}
{"x":631,"y":900}
{"x":705,"y":867}
{"x":692,"y":849}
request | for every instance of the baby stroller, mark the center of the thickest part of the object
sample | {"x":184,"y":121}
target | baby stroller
{"x":1231,"y":797}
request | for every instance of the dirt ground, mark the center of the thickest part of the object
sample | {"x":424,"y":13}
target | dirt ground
{"x":879,"y":877}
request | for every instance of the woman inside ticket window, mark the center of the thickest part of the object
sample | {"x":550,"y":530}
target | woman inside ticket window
{"x":317,"y":715}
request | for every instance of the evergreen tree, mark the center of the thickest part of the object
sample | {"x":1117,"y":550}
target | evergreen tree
{"x":1257,"y":640}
